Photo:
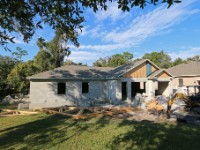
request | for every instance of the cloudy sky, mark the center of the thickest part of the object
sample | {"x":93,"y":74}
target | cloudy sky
{"x":175,"y":30}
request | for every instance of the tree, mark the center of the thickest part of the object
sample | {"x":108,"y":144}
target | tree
{"x":6,"y":65}
{"x":43,"y":61}
{"x":55,"y":49}
{"x":114,"y":61}
{"x":65,"y":16}
{"x":101,"y":62}
{"x":117,"y":60}
{"x":70,"y":62}
{"x":128,"y":56}
{"x":178,"y":61}
{"x":19,"y":53}
{"x":162,"y":59}
{"x":194,"y":58}
{"x":17,"y":78}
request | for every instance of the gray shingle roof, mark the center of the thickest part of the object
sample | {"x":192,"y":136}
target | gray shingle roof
{"x":74,"y":71}
{"x":155,"y":73}
{"x":125,"y":68}
{"x":188,"y":68}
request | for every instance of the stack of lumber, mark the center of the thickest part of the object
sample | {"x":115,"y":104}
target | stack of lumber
{"x":9,"y":112}
{"x":87,"y":112}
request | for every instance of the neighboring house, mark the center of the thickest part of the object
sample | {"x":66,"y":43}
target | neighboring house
{"x":186,"y":75}
{"x":84,"y":85}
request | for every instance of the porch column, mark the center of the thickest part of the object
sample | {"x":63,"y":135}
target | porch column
{"x":170,"y":89}
{"x":150,"y":89}
{"x":129,"y":91}
{"x":118,"y":91}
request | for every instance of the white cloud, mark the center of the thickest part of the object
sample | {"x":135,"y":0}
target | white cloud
{"x":83,"y":56}
{"x":19,"y":41}
{"x":84,"y":31}
{"x":151,"y":23}
{"x":131,"y":34}
{"x":112,"y":13}
{"x":96,"y":32}
{"x":184,"y":54}
{"x":100,"y":48}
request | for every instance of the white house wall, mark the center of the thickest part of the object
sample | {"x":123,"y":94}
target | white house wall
{"x":44,"y":94}
{"x":98,"y":91}
{"x":73,"y":91}
{"x":114,"y":91}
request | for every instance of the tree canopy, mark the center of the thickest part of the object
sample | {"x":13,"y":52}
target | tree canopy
{"x":6,"y":65}
{"x":19,"y":53}
{"x":65,"y":16}
{"x":17,"y":77}
{"x":162,"y":59}
{"x":194,"y":58}
{"x":114,"y":60}
{"x":178,"y":61}
{"x":43,"y":61}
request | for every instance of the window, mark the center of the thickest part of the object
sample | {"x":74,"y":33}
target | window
{"x":85,"y":87}
{"x":61,"y":88}
{"x":180,"y":82}
{"x":149,"y":69}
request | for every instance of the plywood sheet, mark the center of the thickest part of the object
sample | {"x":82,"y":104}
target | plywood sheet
{"x":139,"y":72}
{"x":163,"y":75}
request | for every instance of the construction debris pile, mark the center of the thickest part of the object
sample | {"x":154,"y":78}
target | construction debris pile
{"x":155,"y":108}
{"x":162,"y":105}
{"x":160,"y":109}
{"x":179,"y":108}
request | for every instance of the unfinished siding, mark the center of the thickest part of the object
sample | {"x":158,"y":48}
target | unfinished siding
{"x":101,"y":84}
{"x":140,"y":71}
{"x":44,"y":94}
{"x":98,"y":91}
{"x":73,"y":92}
{"x":163,"y":75}
{"x":114,"y":91}
{"x":154,"y":68}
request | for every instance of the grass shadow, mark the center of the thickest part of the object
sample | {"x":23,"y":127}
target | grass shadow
{"x":58,"y":132}
{"x":40,"y":132}
{"x":149,"y":135}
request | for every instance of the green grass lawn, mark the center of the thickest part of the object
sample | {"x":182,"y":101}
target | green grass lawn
{"x":56,"y":132}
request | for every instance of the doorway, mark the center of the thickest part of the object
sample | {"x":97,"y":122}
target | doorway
{"x":137,"y":87}
{"x":162,"y":88}
{"x":124,"y":91}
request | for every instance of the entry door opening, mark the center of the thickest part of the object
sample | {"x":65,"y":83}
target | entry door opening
{"x":124,"y":91}
{"x":137,"y":87}
{"x":162,"y":88}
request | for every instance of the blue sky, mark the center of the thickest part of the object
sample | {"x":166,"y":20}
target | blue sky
{"x":175,"y":30}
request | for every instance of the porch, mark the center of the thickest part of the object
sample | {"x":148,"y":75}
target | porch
{"x":135,"y":90}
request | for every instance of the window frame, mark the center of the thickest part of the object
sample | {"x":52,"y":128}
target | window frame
{"x":84,"y":91}
{"x":180,"y":82}
{"x":58,"y":89}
